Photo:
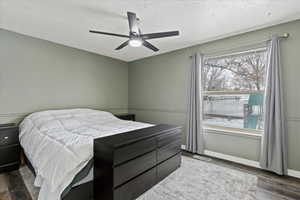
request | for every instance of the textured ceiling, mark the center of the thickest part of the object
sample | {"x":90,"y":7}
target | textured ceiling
{"x":67,"y":21}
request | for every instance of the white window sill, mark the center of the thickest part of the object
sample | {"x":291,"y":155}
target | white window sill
{"x":233,"y":132}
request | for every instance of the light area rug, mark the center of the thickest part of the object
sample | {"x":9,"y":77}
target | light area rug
{"x":198,"y":180}
{"x":194,"y":180}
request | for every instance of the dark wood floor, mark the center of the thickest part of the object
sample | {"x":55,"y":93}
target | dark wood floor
{"x":12,"y":187}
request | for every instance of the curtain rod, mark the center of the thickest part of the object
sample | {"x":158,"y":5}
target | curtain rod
{"x":284,"y":36}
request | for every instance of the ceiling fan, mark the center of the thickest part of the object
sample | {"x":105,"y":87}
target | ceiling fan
{"x":135,"y":37}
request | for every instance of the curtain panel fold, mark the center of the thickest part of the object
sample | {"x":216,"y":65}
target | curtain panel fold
{"x":195,"y":138}
{"x":274,"y":141}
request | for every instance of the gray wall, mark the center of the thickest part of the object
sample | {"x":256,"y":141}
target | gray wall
{"x":37,"y":75}
{"x":158,"y":85}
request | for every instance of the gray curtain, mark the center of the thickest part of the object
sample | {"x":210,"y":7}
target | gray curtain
{"x":274,"y":142}
{"x":195,"y":139}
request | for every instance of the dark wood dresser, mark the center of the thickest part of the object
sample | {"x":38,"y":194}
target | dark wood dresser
{"x":128,"y":164}
{"x":9,"y":147}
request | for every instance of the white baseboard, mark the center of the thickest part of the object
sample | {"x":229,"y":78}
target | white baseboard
{"x":294,"y":173}
{"x":251,"y":163}
{"x":235,"y":159}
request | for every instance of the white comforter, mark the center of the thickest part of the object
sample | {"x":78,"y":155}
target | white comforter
{"x":59,"y":143}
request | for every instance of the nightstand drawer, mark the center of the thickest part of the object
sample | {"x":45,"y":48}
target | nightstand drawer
{"x":130,"y":117}
{"x":7,"y":125}
{"x":9,"y":136}
{"x":10,"y":154}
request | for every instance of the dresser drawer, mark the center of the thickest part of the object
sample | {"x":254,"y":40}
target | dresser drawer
{"x":134,"y":150}
{"x":168,"y":166}
{"x":168,"y":138}
{"x":136,"y":187}
{"x":133,"y":168}
{"x":9,"y":136}
{"x":9,"y":155}
{"x":169,"y":150}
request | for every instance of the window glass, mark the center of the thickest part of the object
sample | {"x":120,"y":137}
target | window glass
{"x":233,"y":88}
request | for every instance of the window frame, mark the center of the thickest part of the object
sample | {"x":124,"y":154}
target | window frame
{"x":239,"y":131}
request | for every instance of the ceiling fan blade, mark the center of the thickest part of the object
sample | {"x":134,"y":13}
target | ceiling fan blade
{"x":133,"y":27}
{"x":112,"y":34}
{"x":122,"y":45}
{"x":159,"y":35}
{"x":150,"y":46}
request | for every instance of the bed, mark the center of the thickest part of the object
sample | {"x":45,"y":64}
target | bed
{"x":89,"y":154}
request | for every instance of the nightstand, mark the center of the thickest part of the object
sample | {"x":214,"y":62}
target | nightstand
{"x":126,"y":116}
{"x":9,"y":147}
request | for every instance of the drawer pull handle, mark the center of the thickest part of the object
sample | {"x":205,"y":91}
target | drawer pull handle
{"x":5,"y":138}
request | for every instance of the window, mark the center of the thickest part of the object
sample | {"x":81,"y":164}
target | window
{"x":233,"y":91}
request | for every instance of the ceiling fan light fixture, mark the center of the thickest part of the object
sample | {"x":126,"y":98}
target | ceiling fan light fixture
{"x":135,"y":37}
{"x":135,"y":42}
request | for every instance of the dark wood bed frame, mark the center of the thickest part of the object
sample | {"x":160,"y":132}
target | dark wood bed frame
{"x":128,"y":164}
